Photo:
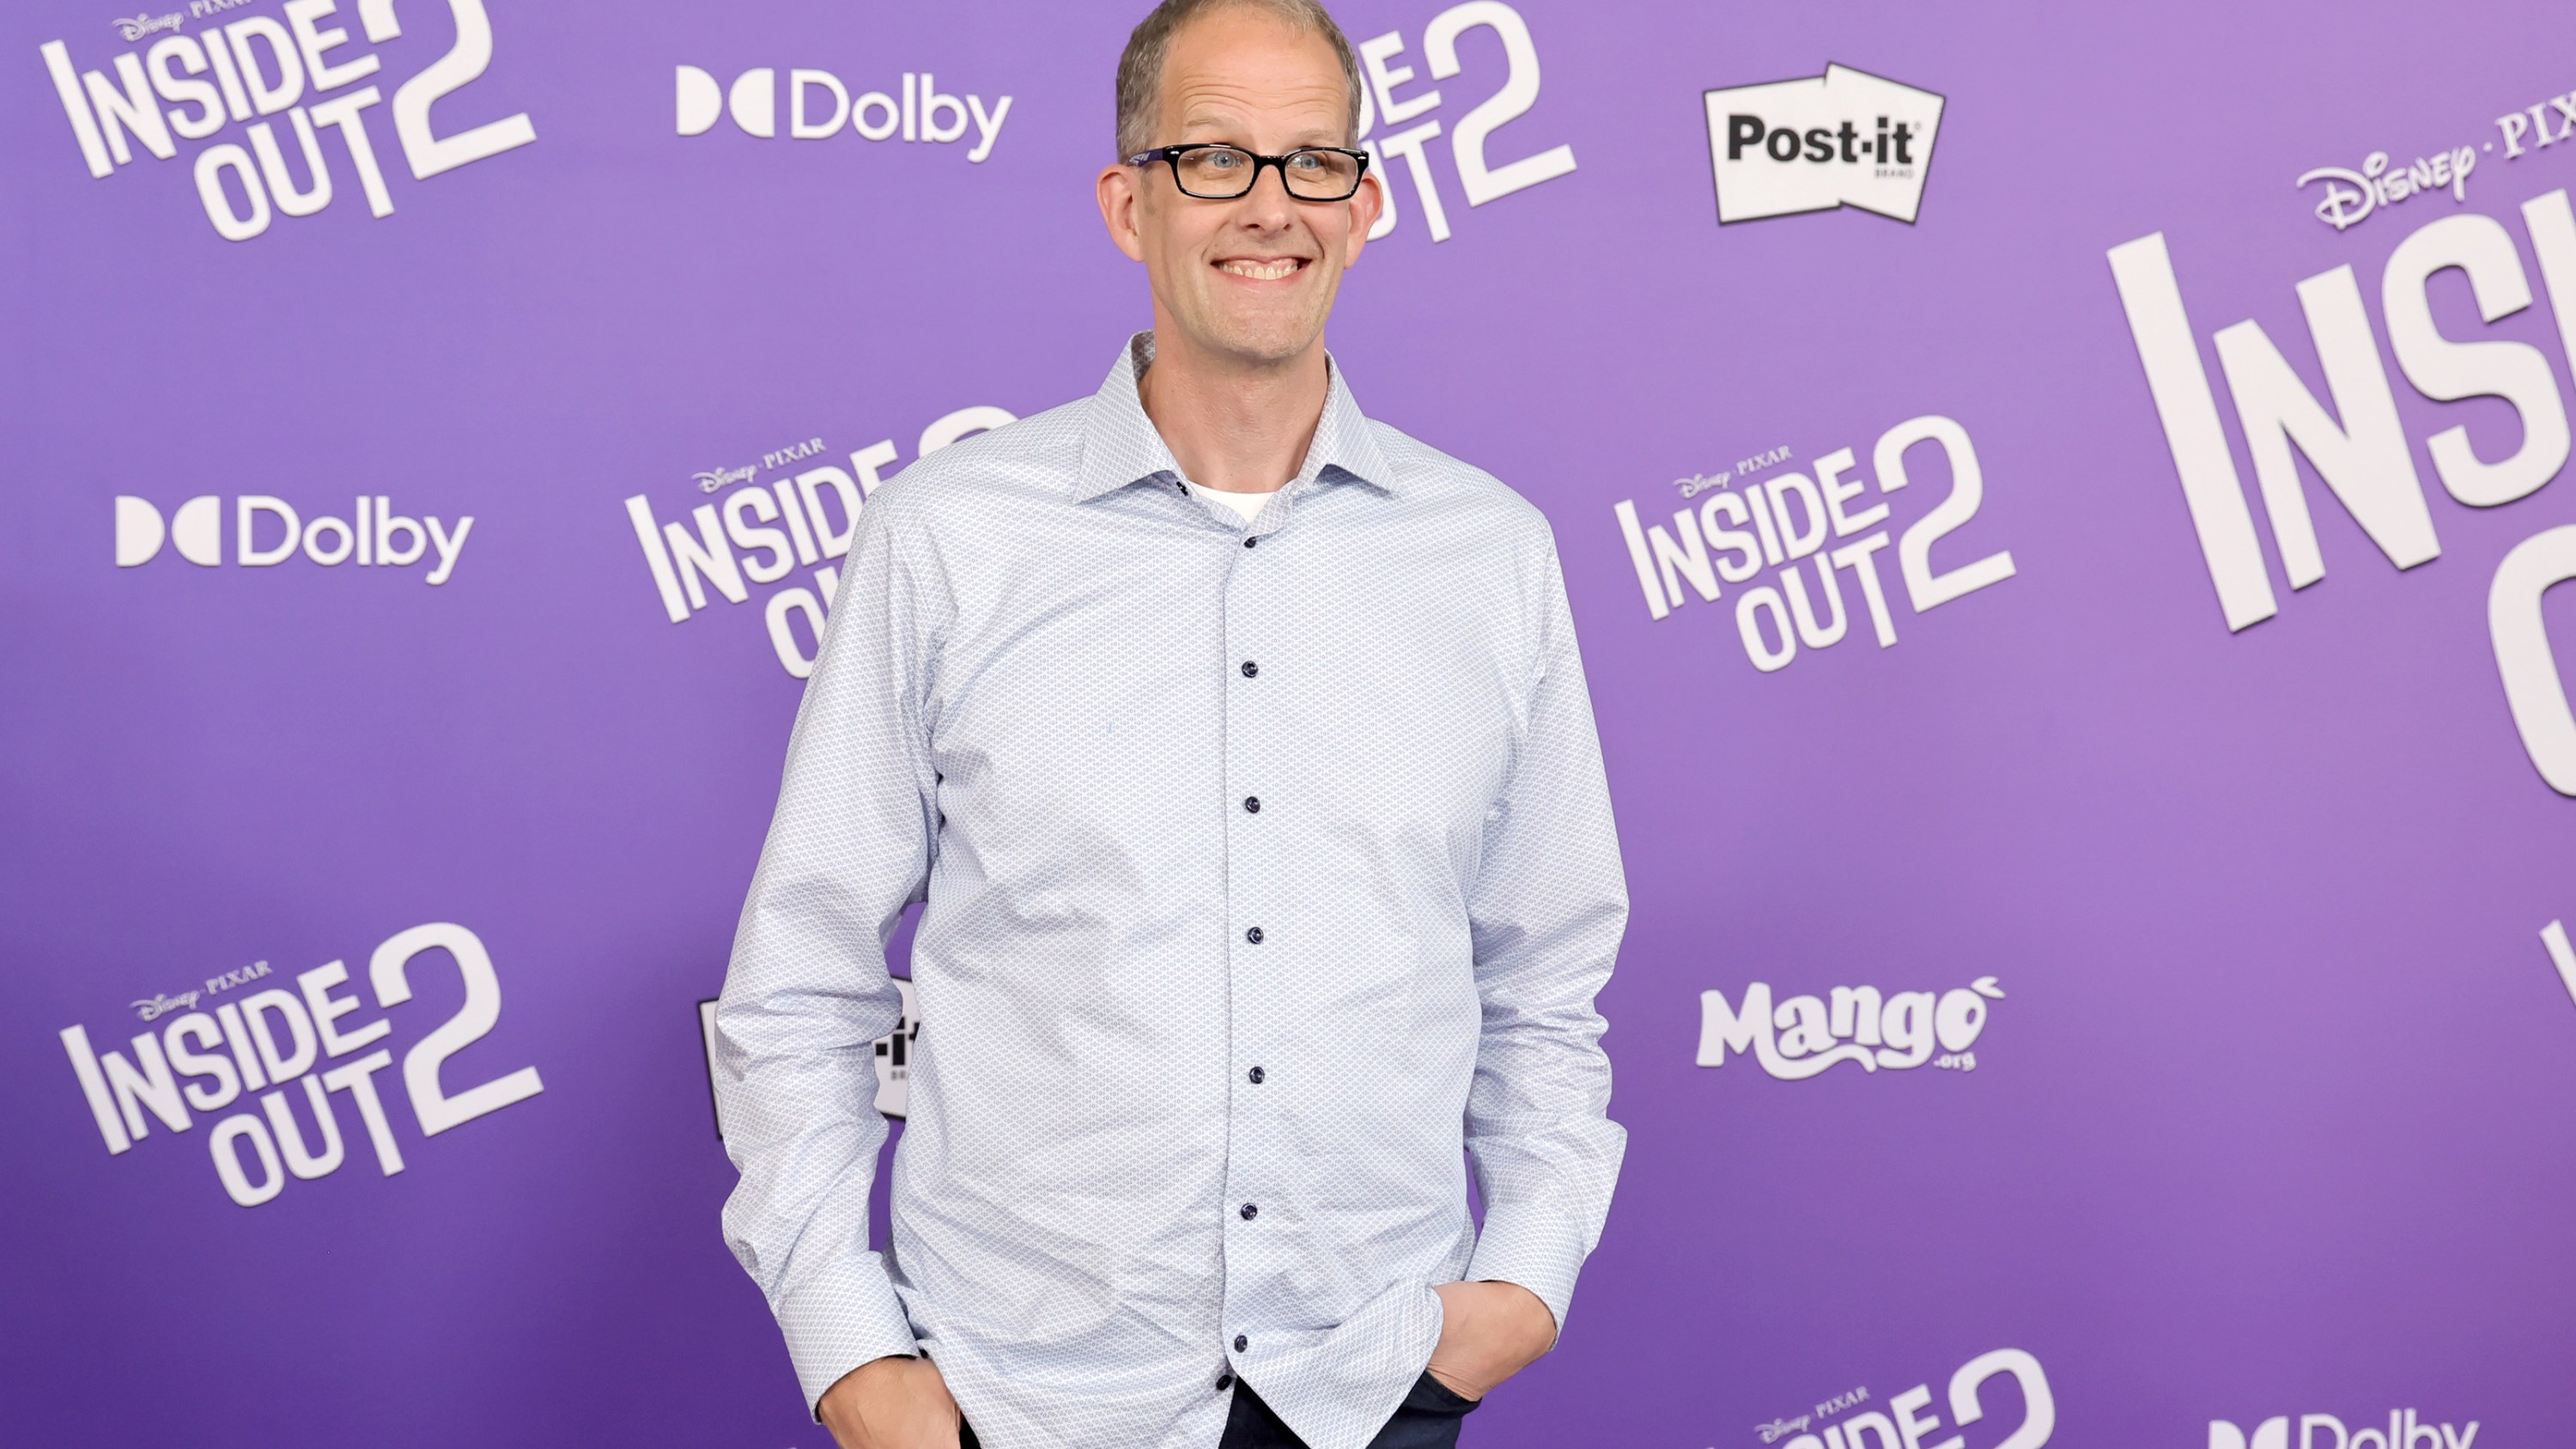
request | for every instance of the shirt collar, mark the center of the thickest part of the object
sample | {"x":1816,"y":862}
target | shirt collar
{"x":1120,"y":444}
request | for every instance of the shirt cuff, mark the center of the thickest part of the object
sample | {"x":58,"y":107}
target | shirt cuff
{"x":839,"y":1320}
{"x":1533,"y":1246}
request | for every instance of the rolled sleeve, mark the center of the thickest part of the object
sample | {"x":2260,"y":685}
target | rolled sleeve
{"x":1535,"y":1247}
{"x":841,"y":1319}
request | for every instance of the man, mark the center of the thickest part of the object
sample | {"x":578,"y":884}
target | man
{"x":1240,"y":749}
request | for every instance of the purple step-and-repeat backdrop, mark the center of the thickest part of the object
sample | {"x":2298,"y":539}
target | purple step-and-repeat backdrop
{"x":2057,"y":504}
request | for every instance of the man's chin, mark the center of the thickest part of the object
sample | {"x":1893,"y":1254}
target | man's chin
{"x":1259,"y":343}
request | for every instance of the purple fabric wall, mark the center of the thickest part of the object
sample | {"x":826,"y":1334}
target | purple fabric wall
{"x":2274,"y":1115}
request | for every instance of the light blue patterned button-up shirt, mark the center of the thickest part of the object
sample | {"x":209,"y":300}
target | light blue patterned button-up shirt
{"x":1194,"y":1071}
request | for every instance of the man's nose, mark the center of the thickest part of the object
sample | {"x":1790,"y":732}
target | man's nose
{"x":1268,"y":205}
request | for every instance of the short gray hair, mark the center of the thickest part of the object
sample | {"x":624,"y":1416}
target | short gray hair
{"x":1140,"y":68}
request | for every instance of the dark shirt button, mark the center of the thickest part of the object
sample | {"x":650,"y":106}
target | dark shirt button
{"x":1224,"y":1381}
{"x":1249,"y":541}
{"x":1250,"y":669}
{"x":1241,"y":1343}
{"x":1256,"y":1075}
{"x":1252,"y":803}
{"x":1253,"y":935}
{"x":1250,"y":1211}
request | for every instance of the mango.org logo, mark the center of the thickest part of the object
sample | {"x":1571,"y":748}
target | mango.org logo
{"x":2405,"y":1431}
{"x":1844,"y":138}
{"x":1804,"y":1035}
{"x":269,"y":531}
{"x":820,"y":106}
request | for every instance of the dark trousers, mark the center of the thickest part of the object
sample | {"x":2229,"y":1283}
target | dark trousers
{"x":1427,"y":1419}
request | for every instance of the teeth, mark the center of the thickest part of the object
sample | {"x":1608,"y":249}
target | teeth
{"x":1262,"y":271}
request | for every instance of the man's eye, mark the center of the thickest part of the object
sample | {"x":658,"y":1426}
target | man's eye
{"x":1307,"y":161}
{"x":1220,"y":160}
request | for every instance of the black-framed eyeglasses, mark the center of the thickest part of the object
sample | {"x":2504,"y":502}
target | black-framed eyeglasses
{"x":1213,"y":171}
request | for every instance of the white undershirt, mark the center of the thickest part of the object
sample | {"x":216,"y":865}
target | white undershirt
{"x":1247,"y":504}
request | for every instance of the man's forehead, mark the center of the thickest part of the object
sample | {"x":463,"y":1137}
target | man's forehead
{"x":1314,"y":112}
{"x":1306,"y":124}
{"x":1238,"y":64}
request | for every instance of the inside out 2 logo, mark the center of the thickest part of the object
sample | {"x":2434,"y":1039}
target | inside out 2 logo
{"x":272,"y":86}
{"x":1844,"y":138}
{"x":1909,"y":1420}
{"x":807,"y":517}
{"x":197,"y":1062}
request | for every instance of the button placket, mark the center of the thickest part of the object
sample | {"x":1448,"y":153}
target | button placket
{"x":1250,"y":871}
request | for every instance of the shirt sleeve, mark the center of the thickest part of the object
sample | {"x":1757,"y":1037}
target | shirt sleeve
{"x":1546,"y":914}
{"x":807,"y":993}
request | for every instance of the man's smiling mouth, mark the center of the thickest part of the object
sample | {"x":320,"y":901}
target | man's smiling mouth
{"x":1262,"y":271}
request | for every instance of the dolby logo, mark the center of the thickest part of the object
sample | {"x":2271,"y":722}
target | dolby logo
{"x":266,"y":532}
{"x":2406,"y":1430}
{"x":820,"y":106}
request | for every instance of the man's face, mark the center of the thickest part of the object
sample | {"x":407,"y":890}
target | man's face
{"x":1252,"y":278}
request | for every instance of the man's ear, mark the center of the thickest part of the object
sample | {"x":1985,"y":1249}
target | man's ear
{"x":1367,"y":205}
{"x":1118,"y":202}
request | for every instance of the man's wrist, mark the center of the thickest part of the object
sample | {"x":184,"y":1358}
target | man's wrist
{"x":1534,"y":1310}
{"x":849,"y":1379}
{"x":1532,"y":1246}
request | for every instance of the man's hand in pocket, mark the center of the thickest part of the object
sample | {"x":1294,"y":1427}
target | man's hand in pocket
{"x":1488,"y":1332}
